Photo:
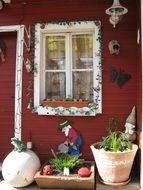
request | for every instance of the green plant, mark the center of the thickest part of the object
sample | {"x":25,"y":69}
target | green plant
{"x":65,"y":160}
{"x":115,"y":140}
{"x":113,"y":122}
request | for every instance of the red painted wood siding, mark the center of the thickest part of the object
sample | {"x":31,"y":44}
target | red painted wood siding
{"x":139,"y":88}
{"x":117,"y":102}
{"x":7,"y":86}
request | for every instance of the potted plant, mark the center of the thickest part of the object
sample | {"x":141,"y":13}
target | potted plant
{"x":114,"y":156}
{"x":65,"y":163}
{"x":59,"y":178}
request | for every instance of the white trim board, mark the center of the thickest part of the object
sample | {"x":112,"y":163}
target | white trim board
{"x":18,"y":75}
{"x":141,"y":168}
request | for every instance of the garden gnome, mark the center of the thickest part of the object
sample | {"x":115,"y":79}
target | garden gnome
{"x":130,"y":125}
{"x":73,"y":139}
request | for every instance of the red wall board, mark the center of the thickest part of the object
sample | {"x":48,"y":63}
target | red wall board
{"x":117,"y":102}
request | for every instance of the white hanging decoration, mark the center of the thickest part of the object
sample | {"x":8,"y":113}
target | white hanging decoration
{"x":28,"y":65}
{"x":29,"y":106}
{"x":116,"y":12}
{"x":28,"y":35}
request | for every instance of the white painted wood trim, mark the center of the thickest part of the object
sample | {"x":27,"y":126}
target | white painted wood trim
{"x":7,"y":1}
{"x":72,"y":27}
{"x":18,"y":75}
{"x":141,"y":169}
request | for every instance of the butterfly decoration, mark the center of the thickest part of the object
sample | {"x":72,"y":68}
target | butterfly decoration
{"x":120,"y":76}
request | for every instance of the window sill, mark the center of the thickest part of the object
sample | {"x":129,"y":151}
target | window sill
{"x":67,"y":111}
{"x":67,"y":108}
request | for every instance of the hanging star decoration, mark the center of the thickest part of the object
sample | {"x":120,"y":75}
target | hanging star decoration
{"x":119,"y":76}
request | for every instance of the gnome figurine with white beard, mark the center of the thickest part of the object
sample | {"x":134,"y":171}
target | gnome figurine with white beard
{"x":73,"y":140}
{"x":130,"y":126}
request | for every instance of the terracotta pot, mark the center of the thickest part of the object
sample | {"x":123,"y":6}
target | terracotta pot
{"x":114,"y":167}
{"x":57,"y":181}
{"x":66,"y":104}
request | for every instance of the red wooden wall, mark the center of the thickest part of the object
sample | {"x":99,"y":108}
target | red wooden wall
{"x":117,"y":102}
{"x":7,"y":90}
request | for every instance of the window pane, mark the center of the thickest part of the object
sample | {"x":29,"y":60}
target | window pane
{"x":55,"y":52}
{"x":55,"y":85}
{"x":83,"y":85}
{"x":82,"y":51}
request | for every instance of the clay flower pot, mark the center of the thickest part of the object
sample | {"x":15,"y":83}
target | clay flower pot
{"x":72,"y":181}
{"x":114,"y":167}
{"x":66,"y":104}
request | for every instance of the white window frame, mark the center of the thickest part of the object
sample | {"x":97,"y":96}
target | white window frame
{"x":49,"y":28}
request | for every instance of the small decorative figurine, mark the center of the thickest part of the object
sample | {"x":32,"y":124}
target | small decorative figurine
{"x":73,"y":139}
{"x":130,"y":125}
{"x":28,"y":65}
{"x":84,"y":172}
{"x":47,"y":170}
{"x":19,"y":146}
{"x":114,"y":47}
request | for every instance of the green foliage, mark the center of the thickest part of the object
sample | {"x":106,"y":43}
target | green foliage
{"x":65,"y":160}
{"x":113,"y":122}
{"x":115,"y":141}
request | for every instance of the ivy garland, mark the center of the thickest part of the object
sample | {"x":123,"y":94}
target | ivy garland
{"x":73,"y":111}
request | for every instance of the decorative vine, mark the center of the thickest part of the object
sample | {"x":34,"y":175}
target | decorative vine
{"x":73,"y":111}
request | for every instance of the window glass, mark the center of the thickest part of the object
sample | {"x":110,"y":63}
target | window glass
{"x":55,"y":52}
{"x":82,"y":51}
{"x":82,"y":85}
{"x":55,"y":85}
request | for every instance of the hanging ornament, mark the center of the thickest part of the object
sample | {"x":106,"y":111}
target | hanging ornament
{"x":2,"y":50}
{"x":27,"y":42}
{"x":30,"y":104}
{"x":114,"y":47}
{"x":28,"y":65}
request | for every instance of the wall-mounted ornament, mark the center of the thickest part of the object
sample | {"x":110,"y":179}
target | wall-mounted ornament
{"x":30,"y":104}
{"x":27,"y":41}
{"x":116,"y":12}
{"x":28,"y":65}
{"x":2,"y":50}
{"x":2,"y":3}
{"x":120,"y":76}
{"x":114,"y":47}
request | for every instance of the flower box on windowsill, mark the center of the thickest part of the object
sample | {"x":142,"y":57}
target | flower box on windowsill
{"x":66,"y":104}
